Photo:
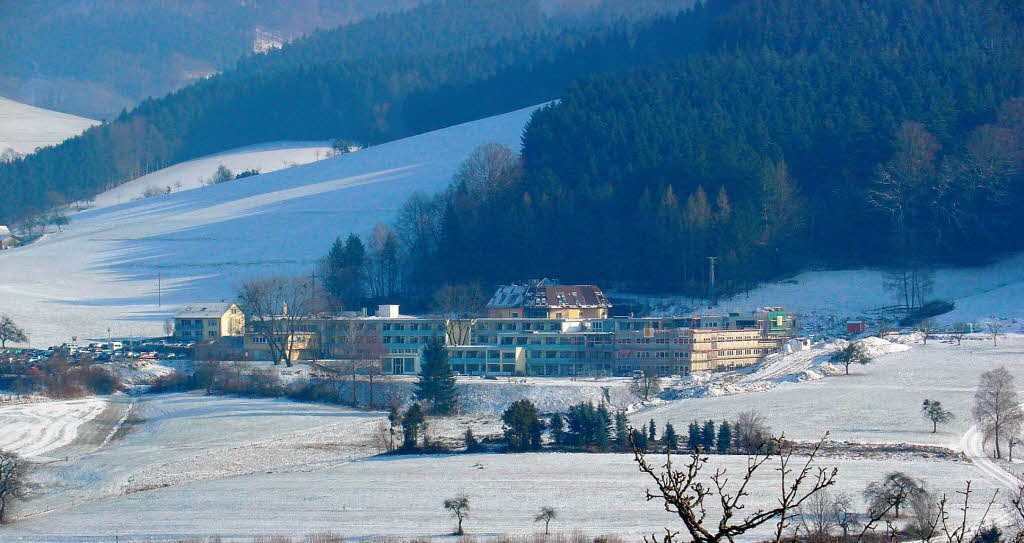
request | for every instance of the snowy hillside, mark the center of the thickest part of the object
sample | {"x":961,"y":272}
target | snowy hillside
{"x":826,"y":299}
{"x":102,"y":271}
{"x":24,"y":127}
{"x":265,"y":157}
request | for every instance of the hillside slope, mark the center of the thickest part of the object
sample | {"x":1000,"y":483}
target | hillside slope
{"x":102,"y":272}
{"x":24,"y":127}
{"x":266,"y":158}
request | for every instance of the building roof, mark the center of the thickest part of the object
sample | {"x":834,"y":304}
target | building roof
{"x":569,"y":296}
{"x":212,"y":310}
{"x":547,"y":293}
{"x":508,"y":296}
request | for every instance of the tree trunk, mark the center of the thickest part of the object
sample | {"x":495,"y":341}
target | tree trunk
{"x":998,"y":454}
{"x":935,"y":426}
{"x":847,"y":367}
{"x":371,"y":389}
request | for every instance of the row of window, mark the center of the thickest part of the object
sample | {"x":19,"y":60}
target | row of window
{"x":183,"y":323}
{"x":198,"y":334}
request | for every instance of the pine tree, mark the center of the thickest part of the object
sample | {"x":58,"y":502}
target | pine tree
{"x":724,"y":438}
{"x":707,"y":437}
{"x":436,"y":382}
{"x":522,"y":426}
{"x":652,"y":431}
{"x":621,"y":431}
{"x":694,"y":438}
{"x":670,"y":438}
{"x":413,"y":420}
{"x":557,"y":427}
{"x":602,"y":428}
{"x":639,"y":440}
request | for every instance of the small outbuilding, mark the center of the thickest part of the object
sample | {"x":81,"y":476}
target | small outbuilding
{"x":856,"y":327}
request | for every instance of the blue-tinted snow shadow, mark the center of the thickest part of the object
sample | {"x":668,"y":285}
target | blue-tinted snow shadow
{"x":285,"y":237}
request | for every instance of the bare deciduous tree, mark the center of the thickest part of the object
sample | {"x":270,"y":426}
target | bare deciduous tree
{"x":925,"y":516}
{"x":647,"y":384}
{"x":277,"y":307}
{"x":363,"y":351}
{"x":845,"y":516}
{"x":459,"y":507}
{"x":13,"y":471}
{"x":751,"y":432}
{"x":10,"y":332}
{"x":996,"y":406}
{"x":926,"y":327}
{"x":994,"y":327}
{"x":546,"y":515}
{"x":818,"y":518}
{"x":892,"y":492}
{"x":685,"y":495}
{"x":958,"y":333}
{"x":459,"y":305}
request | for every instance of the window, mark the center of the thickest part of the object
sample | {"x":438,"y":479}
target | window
{"x":212,"y":334}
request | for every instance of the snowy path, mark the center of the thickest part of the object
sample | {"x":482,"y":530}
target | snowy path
{"x":973,"y":445}
{"x":32,"y":430}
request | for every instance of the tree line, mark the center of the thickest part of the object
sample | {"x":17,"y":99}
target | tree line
{"x":460,"y":61}
{"x":880,"y":133}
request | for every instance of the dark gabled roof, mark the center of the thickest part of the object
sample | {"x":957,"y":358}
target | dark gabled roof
{"x":569,"y":296}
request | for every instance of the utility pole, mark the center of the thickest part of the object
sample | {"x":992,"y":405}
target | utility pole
{"x":711,"y":275}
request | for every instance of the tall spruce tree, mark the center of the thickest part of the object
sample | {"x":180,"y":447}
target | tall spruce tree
{"x":693,"y":439}
{"x":724,"y":438}
{"x":707,"y":436}
{"x":557,"y":428}
{"x":436,"y":383}
{"x":670,"y":438}
{"x":652,"y":431}
{"x":621,"y":431}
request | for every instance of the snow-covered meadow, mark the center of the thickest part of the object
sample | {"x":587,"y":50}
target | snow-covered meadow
{"x":402,"y":496}
{"x":877,"y":403}
{"x":197,"y":465}
{"x":102,"y":272}
{"x":24,"y":127}
{"x":34,"y":429}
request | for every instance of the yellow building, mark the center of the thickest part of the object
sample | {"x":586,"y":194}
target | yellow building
{"x":303,"y":346}
{"x":205,"y":321}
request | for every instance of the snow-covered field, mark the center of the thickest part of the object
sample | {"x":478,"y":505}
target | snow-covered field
{"x":102,"y":271}
{"x":402,"y":496}
{"x":24,"y":127}
{"x":34,"y":429}
{"x":877,"y":403}
{"x":265,"y":157}
{"x":197,"y":465}
{"x":177,"y":439}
